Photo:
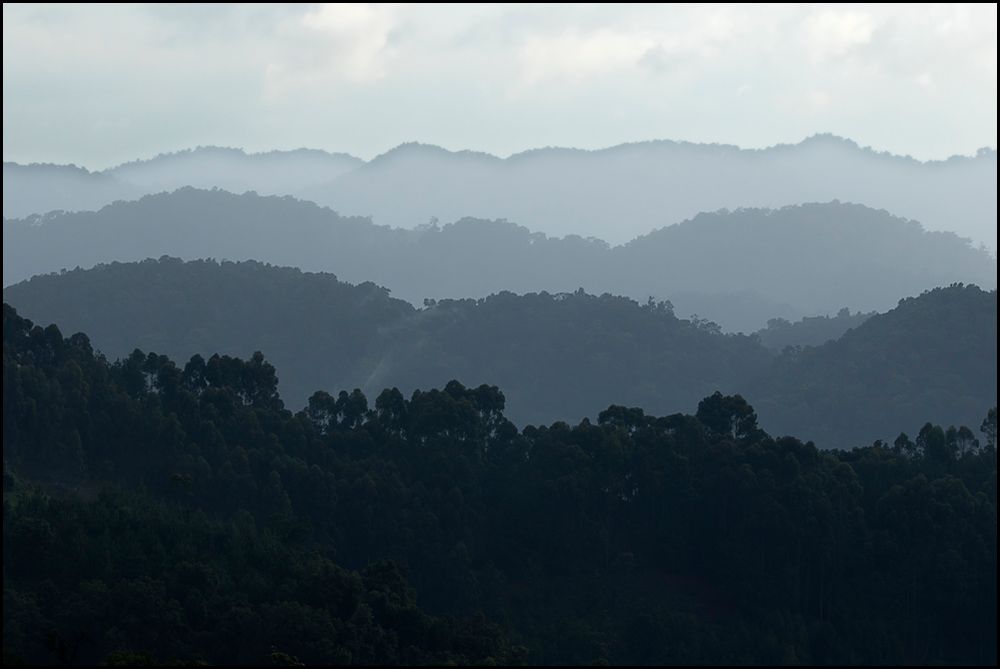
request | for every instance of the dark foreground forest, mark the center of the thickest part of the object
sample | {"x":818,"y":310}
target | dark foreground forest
{"x":164,"y":513}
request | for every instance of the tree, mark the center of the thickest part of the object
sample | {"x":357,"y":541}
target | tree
{"x":989,"y":428}
{"x":728,"y":415}
{"x":933,"y":443}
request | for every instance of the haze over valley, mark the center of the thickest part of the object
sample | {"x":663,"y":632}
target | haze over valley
{"x":614,"y":194}
{"x":353,"y":334}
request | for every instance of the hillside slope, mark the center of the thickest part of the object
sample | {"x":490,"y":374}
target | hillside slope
{"x":559,"y":356}
{"x":737,"y":268}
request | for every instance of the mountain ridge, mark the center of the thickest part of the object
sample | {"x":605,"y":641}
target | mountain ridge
{"x":559,"y":356}
{"x":818,"y":137}
{"x":613,"y":193}
{"x":704,"y":266}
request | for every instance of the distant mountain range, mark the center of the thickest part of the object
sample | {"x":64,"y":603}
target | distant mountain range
{"x":557,"y":356}
{"x":271,"y":173}
{"x":41,"y":188}
{"x":738,"y":268}
{"x":614,"y":194}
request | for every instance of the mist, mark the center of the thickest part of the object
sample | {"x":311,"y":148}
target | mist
{"x":358,"y":334}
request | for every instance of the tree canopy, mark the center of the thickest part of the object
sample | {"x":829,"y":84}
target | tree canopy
{"x":558,"y":356}
{"x":182,"y":513}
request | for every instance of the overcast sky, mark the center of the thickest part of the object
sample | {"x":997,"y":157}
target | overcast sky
{"x":98,"y":85}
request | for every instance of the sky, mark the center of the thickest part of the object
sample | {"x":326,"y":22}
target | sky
{"x":102,"y":84}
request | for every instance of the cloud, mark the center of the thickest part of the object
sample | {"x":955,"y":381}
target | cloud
{"x":835,"y":34}
{"x":925,"y":80}
{"x":575,"y":56}
{"x":819,"y":99}
{"x":98,"y":84}
{"x":330,"y":43}
{"x":658,"y":42}
{"x":357,"y":35}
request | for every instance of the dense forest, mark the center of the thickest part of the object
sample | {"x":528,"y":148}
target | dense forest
{"x":738,"y":269}
{"x":179,"y":512}
{"x":937,"y":351}
{"x":811,"y":330}
{"x":321,"y":332}
{"x":558,"y":356}
{"x":375,"y":334}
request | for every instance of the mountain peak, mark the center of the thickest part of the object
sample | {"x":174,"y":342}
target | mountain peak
{"x":419,"y":150}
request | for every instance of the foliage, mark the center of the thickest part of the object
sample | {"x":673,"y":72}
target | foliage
{"x":936,"y":354}
{"x":153,"y":512}
{"x":558,"y":356}
{"x":811,"y":330}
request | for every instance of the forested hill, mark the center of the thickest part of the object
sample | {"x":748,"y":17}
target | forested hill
{"x":319,"y":331}
{"x":937,"y":351}
{"x":558,"y":356}
{"x":739,"y":268}
{"x":825,"y":255}
{"x":561,"y":357}
{"x":811,"y":330}
{"x":178,"y":513}
{"x":568,"y":355}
